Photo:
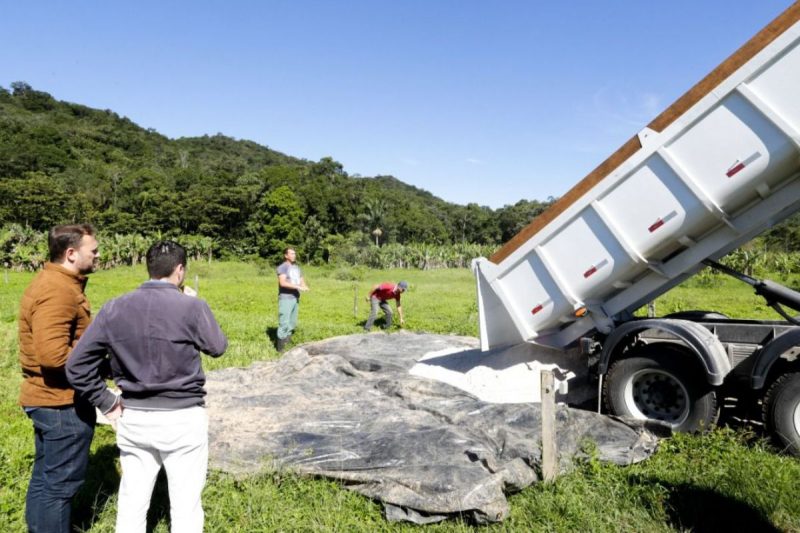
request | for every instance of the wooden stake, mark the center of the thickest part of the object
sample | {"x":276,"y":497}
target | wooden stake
{"x":197,"y":284}
{"x":355,"y":300}
{"x":549,"y":450}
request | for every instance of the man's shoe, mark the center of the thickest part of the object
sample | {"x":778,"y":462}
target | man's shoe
{"x":281,"y":344}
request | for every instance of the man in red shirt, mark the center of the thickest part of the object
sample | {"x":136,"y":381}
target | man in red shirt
{"x":378,"y":296}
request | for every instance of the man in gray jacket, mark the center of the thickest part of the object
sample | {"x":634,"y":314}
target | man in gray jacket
{"x":153,"y":337}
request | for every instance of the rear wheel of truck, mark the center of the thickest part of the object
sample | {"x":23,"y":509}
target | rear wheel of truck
{"x":661,"y":383}
{"x":782,"y":412}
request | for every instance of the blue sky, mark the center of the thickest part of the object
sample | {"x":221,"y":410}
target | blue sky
{"x":475,"y":101}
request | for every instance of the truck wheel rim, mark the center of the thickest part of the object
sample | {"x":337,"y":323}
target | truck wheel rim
{"x":657,"y":395}
{"x":797,"y":419}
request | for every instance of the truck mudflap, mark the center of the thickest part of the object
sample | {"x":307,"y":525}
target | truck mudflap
{"x":771,"y":353}
{"x":698,"y":339}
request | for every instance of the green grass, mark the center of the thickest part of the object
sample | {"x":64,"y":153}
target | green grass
{"x":717,"y":293}
{"x":727,"y":480}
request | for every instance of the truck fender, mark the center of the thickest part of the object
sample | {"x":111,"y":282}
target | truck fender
{"x":771,"y":353}
{"x":704,"y":344}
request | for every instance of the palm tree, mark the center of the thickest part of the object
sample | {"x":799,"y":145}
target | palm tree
{"x":374,"y":217}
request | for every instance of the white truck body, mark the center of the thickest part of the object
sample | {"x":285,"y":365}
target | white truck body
{"x":713,"y":171}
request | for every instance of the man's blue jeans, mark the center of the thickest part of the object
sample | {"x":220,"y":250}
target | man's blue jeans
{"x":62,"y":439}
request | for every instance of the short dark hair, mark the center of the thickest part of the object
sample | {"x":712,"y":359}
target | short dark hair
{"x":286,"y":250}
{"x":163,"y":257}
{"x":61,"y":238}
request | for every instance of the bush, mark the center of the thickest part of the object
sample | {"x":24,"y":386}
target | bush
{"x":22,"y":248}
{"x":350,"y":273}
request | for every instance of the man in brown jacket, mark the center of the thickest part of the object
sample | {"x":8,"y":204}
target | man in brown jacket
{"x":54,"y":312}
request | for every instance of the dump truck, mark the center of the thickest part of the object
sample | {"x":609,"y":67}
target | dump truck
{"x":714,"y":170}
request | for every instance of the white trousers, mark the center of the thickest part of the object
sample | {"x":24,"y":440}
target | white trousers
{"x":177,"y":439}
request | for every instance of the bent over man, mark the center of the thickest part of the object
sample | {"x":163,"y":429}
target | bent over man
{"x":378,"y":297}
{"x":54,"y":313}
{"x":153,"y":336}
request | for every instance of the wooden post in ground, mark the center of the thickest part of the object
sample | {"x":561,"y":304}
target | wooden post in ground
{"x":5,"y":275}
{"x":196,"y":284}
{"x":355,"y":300}
{"x":549,"y":450}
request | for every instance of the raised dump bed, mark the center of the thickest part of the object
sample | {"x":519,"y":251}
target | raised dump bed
{"x":714,"y":170}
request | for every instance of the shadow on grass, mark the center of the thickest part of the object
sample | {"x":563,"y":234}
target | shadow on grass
{"x":744,"y":415}
{"x":699,"y":509}
{"x":159,"y":503}
{"x":272,"y":334}
{"x":742,"y":411}
{"x":379,"y":323}
{"x":102,"y":482}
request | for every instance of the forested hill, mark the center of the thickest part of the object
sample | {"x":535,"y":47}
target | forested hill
{"x":62,"y":161}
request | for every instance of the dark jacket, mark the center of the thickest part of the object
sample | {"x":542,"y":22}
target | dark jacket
{"x":53,"y":314}
{"x":153,"y":336}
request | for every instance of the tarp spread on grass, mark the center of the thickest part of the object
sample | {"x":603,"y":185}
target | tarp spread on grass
{"x":347,"y":408}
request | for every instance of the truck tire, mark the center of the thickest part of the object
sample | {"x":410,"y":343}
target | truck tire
{"x":661,"y":383}
{"x":782,"y":412}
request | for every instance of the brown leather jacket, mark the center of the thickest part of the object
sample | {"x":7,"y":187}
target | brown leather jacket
{"x":54,"y":313}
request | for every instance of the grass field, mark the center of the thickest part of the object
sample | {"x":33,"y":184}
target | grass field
{"x":729,"y":479}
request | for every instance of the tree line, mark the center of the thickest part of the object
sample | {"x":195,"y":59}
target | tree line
{"x":25,"y":249}
{"x":64,"y":162}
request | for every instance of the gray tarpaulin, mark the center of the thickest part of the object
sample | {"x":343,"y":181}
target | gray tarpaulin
{"x":348,"y":409}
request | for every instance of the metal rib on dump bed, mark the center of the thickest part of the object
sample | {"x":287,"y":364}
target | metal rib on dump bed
{"x":714,"y":170}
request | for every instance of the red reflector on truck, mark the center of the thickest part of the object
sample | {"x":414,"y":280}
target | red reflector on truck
{"x":657,"y":224}
{"x":537,"y":309}
{"x":594,"y":268}
{"x":662,"y":220}
{"x":734,"y":169}
{"x":739,"y":165}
